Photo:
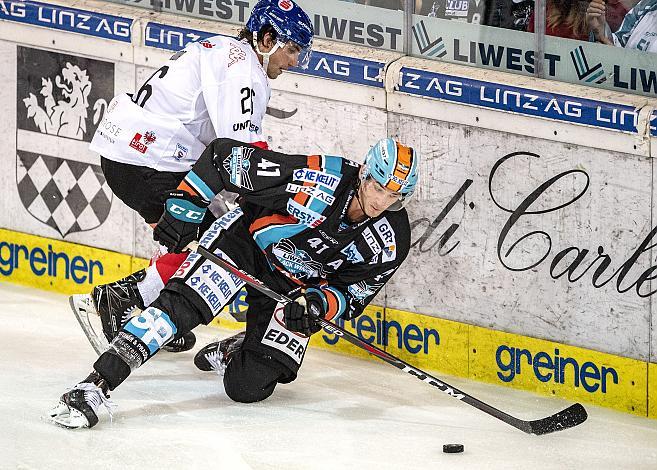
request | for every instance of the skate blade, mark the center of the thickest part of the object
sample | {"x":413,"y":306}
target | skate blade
{"x":65,"y":417}
{"x":86,"y":315}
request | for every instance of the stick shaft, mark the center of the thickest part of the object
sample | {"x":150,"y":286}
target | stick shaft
{"x":570,"y":417}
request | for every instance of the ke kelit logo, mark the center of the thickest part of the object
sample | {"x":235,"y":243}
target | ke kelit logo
{"x":56,"y":93}
{"x":141,"y":142}
{"x":285,"y":5}
{"x":427,"y":47}
{"x":584,"y":72}
{"x":553,"y":368}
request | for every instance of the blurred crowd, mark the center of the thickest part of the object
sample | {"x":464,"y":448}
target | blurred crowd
{"x":630,"y":24}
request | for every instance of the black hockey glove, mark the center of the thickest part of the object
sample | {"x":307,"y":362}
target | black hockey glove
{"x":181,"y":221}
{"x":303,"y":318}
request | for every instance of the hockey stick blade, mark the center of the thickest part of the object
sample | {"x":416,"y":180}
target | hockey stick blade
{"x":568,"y":418}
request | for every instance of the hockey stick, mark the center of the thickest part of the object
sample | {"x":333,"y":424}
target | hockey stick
{"x":567,"y":418}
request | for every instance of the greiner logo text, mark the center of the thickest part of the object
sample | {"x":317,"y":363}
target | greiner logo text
{"x":50,"y":263}
{"x":376,"y":331}
{"x":553,"y":368}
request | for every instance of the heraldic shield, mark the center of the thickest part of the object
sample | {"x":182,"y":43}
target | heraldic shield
{"x":59,"y":180}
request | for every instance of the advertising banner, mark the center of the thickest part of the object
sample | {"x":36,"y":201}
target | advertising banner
{"x":59,"y":266}
{"x":528,"y":102}
{"x":528,"y":235}
{"x":559,"y":370}
{"x":64,"y":18}
{"x":566,"y":60}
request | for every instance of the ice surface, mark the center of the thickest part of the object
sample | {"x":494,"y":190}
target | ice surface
{"x":341,"y":413}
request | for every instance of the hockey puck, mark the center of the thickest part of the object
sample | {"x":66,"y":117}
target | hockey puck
{"x":452,"y":448}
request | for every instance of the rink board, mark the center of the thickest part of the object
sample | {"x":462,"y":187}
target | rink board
{"x":462,"y":120}
{"x":564,"y":371}
{"x":521,"y":362}
{"x":59,"y":266}
{"x":652,"y":390}
{"x":426,"y":342}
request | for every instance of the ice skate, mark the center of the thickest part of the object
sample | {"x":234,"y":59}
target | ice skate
{"x":78,"y":408}
{"x":109,"y":307}
{"x":87,"y":316}
{"x":215,"y":356}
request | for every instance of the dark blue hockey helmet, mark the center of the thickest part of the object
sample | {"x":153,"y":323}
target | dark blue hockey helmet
{"x":290,"y":22}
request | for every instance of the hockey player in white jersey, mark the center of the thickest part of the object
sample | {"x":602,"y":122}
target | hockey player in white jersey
{"x":148,"y":141}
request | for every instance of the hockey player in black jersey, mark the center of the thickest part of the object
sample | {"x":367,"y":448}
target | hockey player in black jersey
{"x":322,"y":226}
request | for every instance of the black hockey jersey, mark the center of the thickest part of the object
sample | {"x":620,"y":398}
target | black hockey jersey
{"x":296,"y":206}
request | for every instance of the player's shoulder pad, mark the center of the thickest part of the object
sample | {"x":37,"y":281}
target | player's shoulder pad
{"x":224,"y":146}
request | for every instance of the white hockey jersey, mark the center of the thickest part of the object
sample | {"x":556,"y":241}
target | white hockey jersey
{"x":212,"y":88}
{"x":639,"y":28}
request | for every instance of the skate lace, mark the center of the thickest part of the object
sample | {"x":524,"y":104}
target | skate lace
{"x":95,"y":397}
{"x":216,"y":361}
{"x":127,"y":315}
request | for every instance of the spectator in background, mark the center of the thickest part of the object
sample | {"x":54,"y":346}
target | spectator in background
{"x":471,"y":11}
{"x":616,"y":11}
{"x":508,"y":14}
{"x":637,"y":31}
{"x":564,"y":19}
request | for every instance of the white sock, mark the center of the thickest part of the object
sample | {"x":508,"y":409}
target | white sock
{"x":151,"y":286}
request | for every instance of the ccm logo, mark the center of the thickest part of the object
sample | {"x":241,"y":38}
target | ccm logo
{"x":188,"y":214}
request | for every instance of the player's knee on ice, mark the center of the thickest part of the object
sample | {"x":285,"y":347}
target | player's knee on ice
{"x":251,"y":376}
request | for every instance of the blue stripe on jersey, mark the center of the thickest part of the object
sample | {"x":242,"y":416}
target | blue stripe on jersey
{"x":333,"y":164}
{"x":275,"y":233}
{"x":316,"y":205}
{"x":199,"y":185}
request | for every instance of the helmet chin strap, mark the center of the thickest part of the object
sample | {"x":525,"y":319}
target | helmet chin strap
{"x":265,"y":55}
{"x":357,"y":196}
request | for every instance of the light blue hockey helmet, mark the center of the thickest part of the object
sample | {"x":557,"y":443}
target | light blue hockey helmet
{"x":395,"y":167}
{"x":290,"y":22}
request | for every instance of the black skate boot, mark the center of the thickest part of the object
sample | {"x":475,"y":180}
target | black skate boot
{"x":118,"y":302}
{"x":215,"y":356}
{"x":115,"y":304}
{"x":78,"y":408}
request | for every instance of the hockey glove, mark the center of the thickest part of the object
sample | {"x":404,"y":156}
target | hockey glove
{"x":180,"y":224}
{"x":303,"y":318}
